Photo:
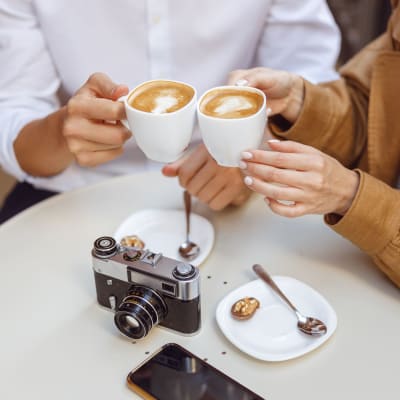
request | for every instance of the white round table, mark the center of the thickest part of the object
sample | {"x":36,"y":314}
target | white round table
{"x":57,"y":343}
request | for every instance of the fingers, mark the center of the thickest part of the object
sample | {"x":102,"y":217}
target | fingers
{"x":108,"y":134}
{"x":93,"y":158}
{"x":274,"y":191}
{"x":77,"y":146}
{"x":202,"y":178}
{"x":275,"y":159}
{"x":172,"y":169}
{"x":101,"y":85}
{"x":290,"y":211}
{"x":289,"y":146}
{"x":262,"y":78}
{"x":96,"y":108}
{"x":192,"y":164}
{"x":242,"y":197}
{"x":274,"y":175}
{"x":237,"y":76}
{"x":211,"y":188}
{"x":228,"y":195}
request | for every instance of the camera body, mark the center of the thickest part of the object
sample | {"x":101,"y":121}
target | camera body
{"x":145,"y":289}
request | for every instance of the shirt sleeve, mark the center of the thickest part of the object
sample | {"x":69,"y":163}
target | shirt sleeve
{"x":300,"y":37}
{"x":28,"y":78}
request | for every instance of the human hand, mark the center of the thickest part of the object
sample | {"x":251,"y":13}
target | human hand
{"x":92,"y":127}
{"x":315,"y":182}
{"x":203,"y":178}
{"x":284,"y":90}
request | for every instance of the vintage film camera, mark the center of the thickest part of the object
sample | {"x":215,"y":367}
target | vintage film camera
{"x":145,"y":289}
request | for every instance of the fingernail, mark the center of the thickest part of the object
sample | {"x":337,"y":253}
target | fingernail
{"x":248,"y":180}
{"x":247,"y":155}
{"x":267,"y":201}
{"x":273,"y":141}
{"x":269,"y":111}
{"x":242,"y":165}
{"x":242,"y":82}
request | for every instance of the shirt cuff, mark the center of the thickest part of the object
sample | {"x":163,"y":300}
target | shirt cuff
{"x":373,"y":219}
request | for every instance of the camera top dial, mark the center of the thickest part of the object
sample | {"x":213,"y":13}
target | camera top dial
{"x":105,"y":247}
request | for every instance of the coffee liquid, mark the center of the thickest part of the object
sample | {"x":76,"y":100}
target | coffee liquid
{"x":230,"y":103}
{"x":160,"y":97}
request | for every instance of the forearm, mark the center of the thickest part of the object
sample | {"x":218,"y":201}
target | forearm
{"x":41,"y":149}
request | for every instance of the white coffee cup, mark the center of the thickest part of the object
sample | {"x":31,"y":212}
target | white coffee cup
{"x":226,"y":138}
{"x":162,"y":137}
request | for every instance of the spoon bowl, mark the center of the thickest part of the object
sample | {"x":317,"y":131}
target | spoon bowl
{"x":308,"y":325}
{"x":188,"y":249}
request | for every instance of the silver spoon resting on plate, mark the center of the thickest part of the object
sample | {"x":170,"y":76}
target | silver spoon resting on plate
{"x":308,"y":325}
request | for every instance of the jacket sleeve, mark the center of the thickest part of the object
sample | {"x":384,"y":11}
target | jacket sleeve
{"x":328,"y":120}
{"x":373,"y":224}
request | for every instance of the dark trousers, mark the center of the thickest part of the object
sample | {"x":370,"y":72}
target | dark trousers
{"x":22,"y":196}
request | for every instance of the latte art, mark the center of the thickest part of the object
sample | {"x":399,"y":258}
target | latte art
{"x":230,"y":103}
{"x":160,"y":97}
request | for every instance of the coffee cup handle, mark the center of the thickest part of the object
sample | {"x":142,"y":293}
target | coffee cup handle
{"x":124,"y":122}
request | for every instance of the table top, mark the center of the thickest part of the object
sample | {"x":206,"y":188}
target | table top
{"x":56,"y":342}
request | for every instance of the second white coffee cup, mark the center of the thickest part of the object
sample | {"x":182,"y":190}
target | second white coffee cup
{"x":162,"y":136}
{"x":227,"y":138}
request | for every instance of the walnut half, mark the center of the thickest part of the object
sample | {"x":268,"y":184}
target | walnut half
{"x":245,"y":308}
{"x":132,"y":241}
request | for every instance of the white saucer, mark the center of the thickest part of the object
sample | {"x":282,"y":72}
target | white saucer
{"x":164,"y":230}
{"x":272,"y":334}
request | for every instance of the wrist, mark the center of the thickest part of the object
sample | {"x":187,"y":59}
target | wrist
{"x":40,"y":147}
{"x":296,"y":100}
{"x":351,"y":187}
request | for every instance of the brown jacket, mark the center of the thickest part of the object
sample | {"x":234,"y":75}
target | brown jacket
{"x":357,"y":120}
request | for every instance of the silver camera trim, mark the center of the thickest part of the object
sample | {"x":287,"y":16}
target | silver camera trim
{"x":152,"y":270}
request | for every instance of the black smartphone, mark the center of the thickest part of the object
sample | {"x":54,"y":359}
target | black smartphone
{"x":173,"y":373}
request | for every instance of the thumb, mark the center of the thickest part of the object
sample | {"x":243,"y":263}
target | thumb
{"x":102,"y":86}
{"x":172,"y":169}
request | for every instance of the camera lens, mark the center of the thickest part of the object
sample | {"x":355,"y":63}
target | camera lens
{"x":132,"y":322}
{"x":139,"y":311}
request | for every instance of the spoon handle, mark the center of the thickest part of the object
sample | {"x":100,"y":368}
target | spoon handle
{"x":263,"y":274}
{"x":188,"y":207}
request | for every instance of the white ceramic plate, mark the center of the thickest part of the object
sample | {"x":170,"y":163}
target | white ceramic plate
{"x":272,"y":334}
{"x":164,"y":230}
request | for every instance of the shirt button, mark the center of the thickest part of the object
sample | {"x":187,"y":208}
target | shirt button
{"x":156,"y":19}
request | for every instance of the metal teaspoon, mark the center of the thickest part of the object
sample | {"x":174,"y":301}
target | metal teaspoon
{"x":188,"y":249}
{"x":309,"y":325}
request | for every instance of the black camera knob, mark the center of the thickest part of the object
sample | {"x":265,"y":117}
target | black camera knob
{"x":184,"y":271}
{"x":105,"y":247}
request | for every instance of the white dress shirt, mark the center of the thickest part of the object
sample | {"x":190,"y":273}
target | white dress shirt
{"x":48,"y":49}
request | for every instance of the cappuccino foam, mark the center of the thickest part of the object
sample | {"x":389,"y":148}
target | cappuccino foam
{"x":230,"y":103}
{"x":160,"y":97}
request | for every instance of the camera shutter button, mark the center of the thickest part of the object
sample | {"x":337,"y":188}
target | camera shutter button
{"x":184,"y":271}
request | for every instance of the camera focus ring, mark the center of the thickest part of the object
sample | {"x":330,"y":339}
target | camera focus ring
{"x":139,"y":311}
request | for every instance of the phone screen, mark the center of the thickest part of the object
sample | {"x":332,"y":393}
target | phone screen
{"x":174,"y":373}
